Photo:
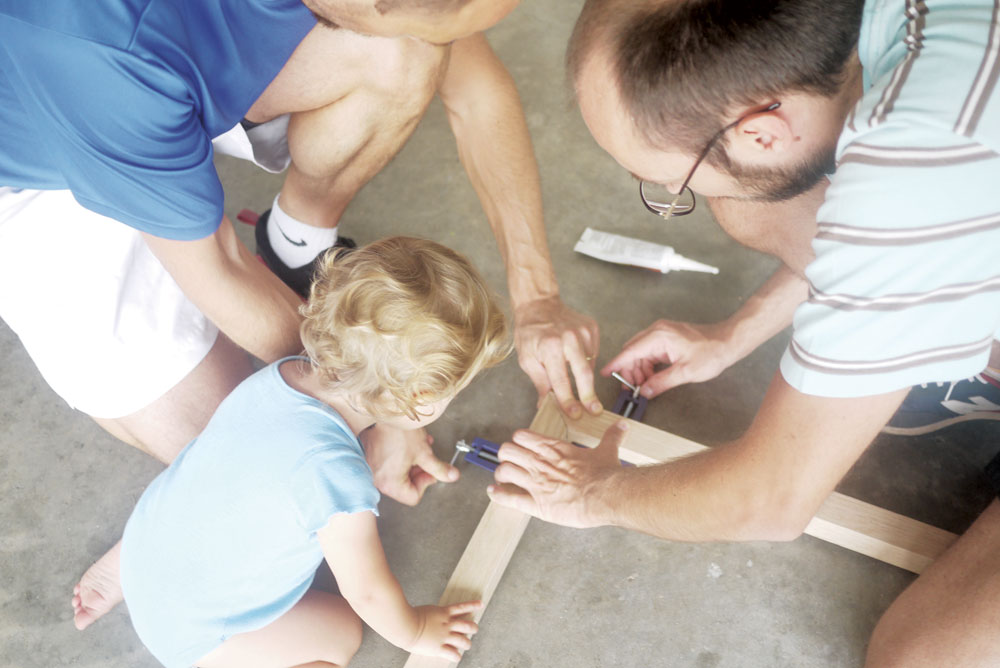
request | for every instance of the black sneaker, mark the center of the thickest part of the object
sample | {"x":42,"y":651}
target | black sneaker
{"x":297,"y":278}
{"x":932,"y":406}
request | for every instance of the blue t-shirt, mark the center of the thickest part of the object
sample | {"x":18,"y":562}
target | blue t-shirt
{"x":118,"y":100}
{"x":224,"y":540}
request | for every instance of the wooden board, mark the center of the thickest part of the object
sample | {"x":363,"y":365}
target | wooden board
{"x":841,"y":520}
{"x":489,"y":550}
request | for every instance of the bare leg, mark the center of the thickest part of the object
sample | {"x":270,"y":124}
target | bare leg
{"x":950,"y":615}
{"x":348,"y":123}
{"x":164,"y":427}
{"x":320,"y":630}
{"x":161,"y":429}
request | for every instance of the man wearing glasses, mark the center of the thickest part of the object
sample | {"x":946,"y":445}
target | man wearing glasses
{"x":753,"y":103}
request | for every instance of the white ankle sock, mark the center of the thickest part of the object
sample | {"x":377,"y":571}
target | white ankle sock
{"x":294,"y":242}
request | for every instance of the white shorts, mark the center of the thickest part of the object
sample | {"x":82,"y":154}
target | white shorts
{"x":106,"y":325}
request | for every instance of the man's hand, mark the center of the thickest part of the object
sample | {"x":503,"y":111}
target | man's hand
{"x":694,"y":353}
{"x":558,"y":481}
{"x":548,"y":335}
{"x":403,"y":463}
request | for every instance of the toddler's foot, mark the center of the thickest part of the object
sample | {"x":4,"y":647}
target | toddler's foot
{"x":99,"y":589}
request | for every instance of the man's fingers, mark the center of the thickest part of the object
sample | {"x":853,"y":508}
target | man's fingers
{"x":583,"y":374}
{"x":555,"y":367}
{"x":649,"y":345}
{"x":513,"y":474}
{"x":536,"y":373}
{"x":613,"y":437}
{"x":513,"y":497}
{"x":540,"y":444}
{"x":666,"y":379}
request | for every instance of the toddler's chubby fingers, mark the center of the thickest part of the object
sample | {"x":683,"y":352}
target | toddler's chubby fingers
{"x":464,"y":626}
{"x":464,"y":608}
{"x":459,"y":641}
{"x":449,"y":653}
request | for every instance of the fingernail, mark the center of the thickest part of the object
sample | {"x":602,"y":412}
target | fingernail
{"x":647,"y":392}
{"x":490,"y":489}
{"x":595,"y":407}
{"x":574,"y":411}
{"x":622,"y":425}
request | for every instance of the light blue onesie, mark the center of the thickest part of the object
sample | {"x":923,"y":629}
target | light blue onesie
{"x":224,"y":540}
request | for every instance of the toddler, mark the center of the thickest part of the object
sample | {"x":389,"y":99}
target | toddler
{"x":220,"y":552}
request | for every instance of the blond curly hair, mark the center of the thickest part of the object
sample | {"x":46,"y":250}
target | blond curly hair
{"x":401,"y":323}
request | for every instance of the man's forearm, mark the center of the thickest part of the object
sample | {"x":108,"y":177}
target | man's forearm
{"x":765,"y":313}
{"x":767,"y":485}
{"x":237,"y":293}
{"x":494,"y":144}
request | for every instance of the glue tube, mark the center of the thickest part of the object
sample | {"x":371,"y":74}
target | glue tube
{"x":623,"y":250}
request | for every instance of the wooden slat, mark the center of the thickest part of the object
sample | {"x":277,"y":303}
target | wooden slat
{"x":489,"y":550}
{"x":841,"y":520}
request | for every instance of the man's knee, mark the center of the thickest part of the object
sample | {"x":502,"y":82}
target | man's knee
{"x":406,"y":74}
{"x":892,"y":643}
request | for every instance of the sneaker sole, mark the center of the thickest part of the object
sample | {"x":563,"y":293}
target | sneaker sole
{"x":935,"y":426}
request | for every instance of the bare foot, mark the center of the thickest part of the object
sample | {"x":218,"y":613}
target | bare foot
{"x":99,"y":589}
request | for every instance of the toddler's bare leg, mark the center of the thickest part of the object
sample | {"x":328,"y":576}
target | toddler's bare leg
{"x":321,"y":630}
{"x":161,"y":429}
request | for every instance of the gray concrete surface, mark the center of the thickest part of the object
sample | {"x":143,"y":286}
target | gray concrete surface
{"x":570,"y":598}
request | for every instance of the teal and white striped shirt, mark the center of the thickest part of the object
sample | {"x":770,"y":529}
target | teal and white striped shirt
{"x":905,"y":288}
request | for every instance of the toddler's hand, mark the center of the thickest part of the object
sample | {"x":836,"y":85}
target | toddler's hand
{"x":442,"y":631}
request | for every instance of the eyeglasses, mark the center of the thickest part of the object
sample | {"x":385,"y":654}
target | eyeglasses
{"x":662,"y":202}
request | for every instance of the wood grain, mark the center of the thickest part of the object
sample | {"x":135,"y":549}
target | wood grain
{"x":489,"y":550}
{"x":841,"y":520}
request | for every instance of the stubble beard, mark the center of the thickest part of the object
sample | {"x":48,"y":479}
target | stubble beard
{"x":778,"y":184}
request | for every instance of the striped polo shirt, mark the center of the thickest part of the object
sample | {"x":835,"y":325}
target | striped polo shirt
{"x":905,"y":288}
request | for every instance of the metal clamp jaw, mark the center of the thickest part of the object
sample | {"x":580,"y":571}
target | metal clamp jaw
{"x":629,"y":404}
{"x":480,"y":452}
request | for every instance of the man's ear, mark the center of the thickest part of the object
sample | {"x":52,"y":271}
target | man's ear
{"x":766,"y":132}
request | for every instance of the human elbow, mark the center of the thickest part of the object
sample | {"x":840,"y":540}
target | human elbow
{"x":773,"y":517}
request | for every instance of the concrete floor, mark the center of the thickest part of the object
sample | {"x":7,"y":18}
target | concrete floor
{"x":570,"y":598}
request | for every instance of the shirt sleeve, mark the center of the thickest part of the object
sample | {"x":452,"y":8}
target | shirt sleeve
{"x":331,"y":480}
{"x":905,"y":288}
{"x":125,"y":132}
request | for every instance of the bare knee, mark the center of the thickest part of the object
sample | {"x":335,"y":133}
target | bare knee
{"x":406,"y":74}
{"x":892,"y":642}
{"x":922,"y":631}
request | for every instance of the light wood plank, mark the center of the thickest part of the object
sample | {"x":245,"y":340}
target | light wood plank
{"x":841,"y":520}
{"x":489,"y":550}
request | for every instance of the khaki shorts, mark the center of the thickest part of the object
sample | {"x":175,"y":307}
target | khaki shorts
{"x":106,"y":325}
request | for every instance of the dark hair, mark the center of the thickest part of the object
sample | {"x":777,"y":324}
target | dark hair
{"x":386,"y":6}
{"x":680,"y":67}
